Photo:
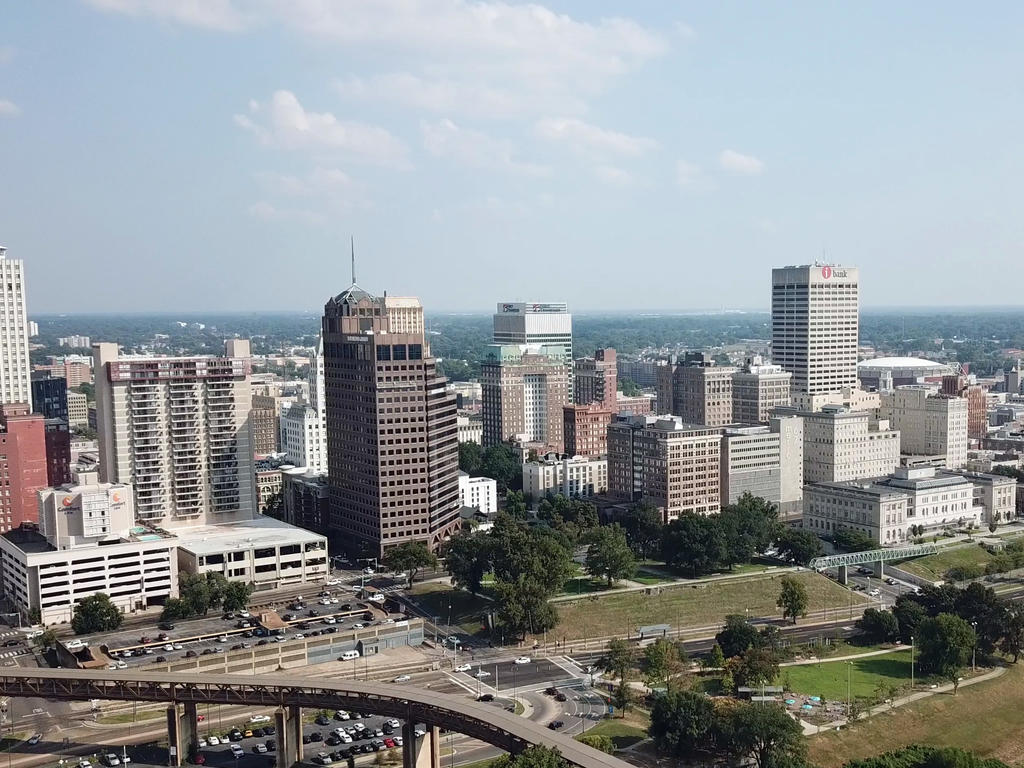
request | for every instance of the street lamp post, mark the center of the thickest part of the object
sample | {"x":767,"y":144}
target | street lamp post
{"x":849,"y":692}
{"x":911,"y":663}
{"x":974,"y":651}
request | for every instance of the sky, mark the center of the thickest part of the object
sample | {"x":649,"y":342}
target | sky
{"x":218,"y":155}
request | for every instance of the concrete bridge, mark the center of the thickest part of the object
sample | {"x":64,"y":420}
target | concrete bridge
{"x":290,"y":694}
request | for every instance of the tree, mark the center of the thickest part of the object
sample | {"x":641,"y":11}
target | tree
{"x":515,"y":505}
{"x":175,"y":608}
{"x":682,"y":724}
{"x":755,"y":667}
{"x":643,"y":524}
{"x":694,"y":542}
{"x":749,"y":527}
{"x":96,"y":614}
{"x":622,"y":697}
{"x":792,"y":598}
{"x":523,"y":606}
{"x":922,"y":756}
{"x":1012,"y":642}
{"x":629,"y":388}
{"x":617,"y":658}
{"x":978,"y":604}
{"x":236,"y":595}
{"x":946,"y":643}
{"x":608,"y":554}
{"x":503,"y":464}
{"x":467,"y":557}
{"x":48,"y":639}
{"x":409,"y":557}
{"x":715,"y":659}
{"x":470,"y":458}
{"x":767,"y":734}
{"x":879,"y":626}
{"x":799,"y":545}
{"x":661,"y":662}
{"x":737,"y":636}
{"x":535,"y":756}
{"x":849,"y":540}
{"x":909,"y":614}
{"x":598,"y":741}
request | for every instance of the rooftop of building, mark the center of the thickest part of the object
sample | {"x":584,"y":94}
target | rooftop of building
{"x":900,"y":362}
{"x":260,"y":532}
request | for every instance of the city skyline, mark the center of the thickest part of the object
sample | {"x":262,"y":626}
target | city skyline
{"x":526,"y":140}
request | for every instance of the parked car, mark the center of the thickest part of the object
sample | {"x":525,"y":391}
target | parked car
{"x":523,"y":660}
{"x":464,"y":668}
{"x":560,"y":696}
{"x":554,"y":725}
{"x":485,"y":697}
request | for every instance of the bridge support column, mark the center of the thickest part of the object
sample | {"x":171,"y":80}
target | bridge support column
{"x":843,"y":576}
{"x":188,"y":731}
{"x":879,"y":572}
{"x":420,"y":753}
{"x":295,"y":730}
{"x":287,"y":748}
{"x":174,"y":741}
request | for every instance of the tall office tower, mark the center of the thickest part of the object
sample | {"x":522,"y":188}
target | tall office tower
{"x":1013,"y":378}
{"x":660,"y":459}
{"x":929,"y":424}
{"x":392,"y":437}
{"x":23,"y":464}
{"x":757,"y":389}
{"x":841,"y":445}
{"x":14,"y":363}
{"x":264,"y":424}
{"x":585,"y":429}
{"x":697,"y":390}
{"x":177,"y":430}
{"x":815,"y":320}
{"x":596,"y":379}
{"x":537,"y":323}
{"x":525,"y":387}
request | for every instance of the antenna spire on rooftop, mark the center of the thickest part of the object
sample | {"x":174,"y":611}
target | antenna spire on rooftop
{"x":353,"y":243}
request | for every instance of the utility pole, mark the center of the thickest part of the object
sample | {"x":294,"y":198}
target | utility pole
{"x":974,"y":651}
{"x":911,"y":663}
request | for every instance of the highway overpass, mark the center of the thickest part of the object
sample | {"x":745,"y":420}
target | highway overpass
{"x":290,"y":693}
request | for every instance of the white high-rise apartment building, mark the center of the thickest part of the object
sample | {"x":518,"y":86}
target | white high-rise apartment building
{"x":479,"y":492}
{"x":15,"y":386}
{"x":177,"y":430}
{"x":930,"y":424}
{"x":304,"y":425}
{"x":534,"y":322}
{"x":815,"y":323}
{"x":841,"y":445}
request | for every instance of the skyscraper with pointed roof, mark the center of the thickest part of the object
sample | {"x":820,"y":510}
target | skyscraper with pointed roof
{"x":392,"y":439}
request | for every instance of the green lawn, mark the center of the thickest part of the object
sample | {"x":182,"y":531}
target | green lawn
{"x":583,"y":584}
{"x":983,"y":718}
{"x":466,"y":609}
{"x":934,"y":567}
{"x":829,"y":678}
{"x":128,"y":717}
{"x":623,"y":732}
{"x":693,"y":606}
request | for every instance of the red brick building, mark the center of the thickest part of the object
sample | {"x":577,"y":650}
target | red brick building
{"x":585,"y":429}
{"x":58,"y":452}
{"x":22,"y":464}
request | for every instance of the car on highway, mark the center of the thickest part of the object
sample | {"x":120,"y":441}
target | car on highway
{"x":891,"y":581}
{"x":402,"y":679}
{"x":554,"y":725}
{"x":485,"y":697}
{"x":523,"y":660}
{"x":481,"y":674}
{"x":463,"y":667}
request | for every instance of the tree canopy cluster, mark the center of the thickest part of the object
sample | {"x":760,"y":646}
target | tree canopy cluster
{"x":926,"y":756}
{"x":198,"y":593}
{"x":96,"y":613}
{"x":501,"y":463}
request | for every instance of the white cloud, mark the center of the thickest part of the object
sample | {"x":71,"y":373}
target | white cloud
{"x":209,"y":14}
{"x":489,"y":51}
{"x":9,"y":108}
{"x":445,"y":138}
{"x":284,"y":122}
{"x":438,"y":95}
{"x":268,"y":212}
{"x":737,"y":162}
{"x":586,"y":137}
{"x":615,"y":176}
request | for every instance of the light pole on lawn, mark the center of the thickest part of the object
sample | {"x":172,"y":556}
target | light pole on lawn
{"x":974,"y":651}
{"x":849,"y":692}
{"x":911,"y":663}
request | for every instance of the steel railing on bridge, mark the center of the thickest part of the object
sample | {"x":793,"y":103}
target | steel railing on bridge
{"x":873,"y":556}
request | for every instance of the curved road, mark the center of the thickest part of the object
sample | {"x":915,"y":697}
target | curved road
{"x":454,"y":713}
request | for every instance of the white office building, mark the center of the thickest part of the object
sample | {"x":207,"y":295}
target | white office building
{"x":15,"y":383}
{"x":930,"y":424}
{"x":86,"y":542}
{"x":764,"y":461}
{"x":177,"y":430}
{"x":303,"y":437}
{"x":841,"y":445}
{"x":537,"y":323}
{"x":815,"y":324}
{"x":478,"y":492}
{"x":575,"y":477}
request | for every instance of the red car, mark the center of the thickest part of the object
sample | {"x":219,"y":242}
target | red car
{"x":199,"y":759}
{"x":389,"y":743}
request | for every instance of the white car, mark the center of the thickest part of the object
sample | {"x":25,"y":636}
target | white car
{"x":875,"y":592}
{"x":402,"y":679}
{"x":400,"y":576}
{"x":120,"y":665}
{"x":330,"y":620}
{"x":259,"y":719}
{"x":111,"y":759}
{"x":463,"y":667}
{"x":399,"y":741}
{"x":323,"y":759}
{"x":213,"y":741}
{"x":357,"y":626}
{"x":345,"y":738}
{"x":222,"y":639}
{"x":236,"y":750}
{"x":333,"y":583}
{"x":481,"y":674}
{"x":202,"y":743}
{"x":523,"y":660}
{"x":244,"y":615}
{"x":84,"y":764}
{"x":324,"y":601}
{"x":343,"y":714}
{"x":377,"y":598}
{"x":178,"y":646}
{"x":333,"y":601}
{"x":260,"y":748}
{"x":368,"y":571}
{"x":394,"y":723}
{"x":168,"y":647}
